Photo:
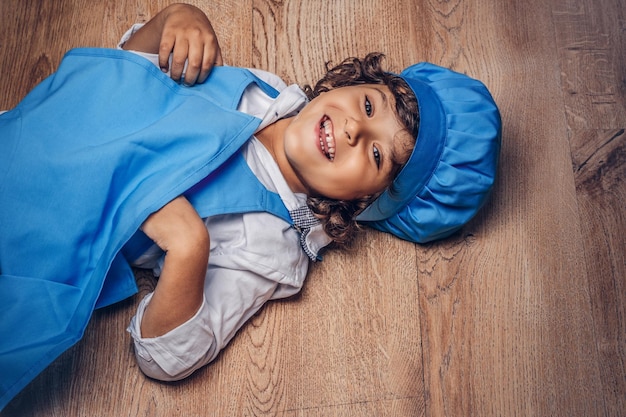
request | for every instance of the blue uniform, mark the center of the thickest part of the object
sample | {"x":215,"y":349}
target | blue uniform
{"x":84,"y":159}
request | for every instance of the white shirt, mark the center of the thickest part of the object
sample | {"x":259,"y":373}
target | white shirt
{"x":255,"y":257}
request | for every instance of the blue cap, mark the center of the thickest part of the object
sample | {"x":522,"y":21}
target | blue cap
{"x":453,"y":166}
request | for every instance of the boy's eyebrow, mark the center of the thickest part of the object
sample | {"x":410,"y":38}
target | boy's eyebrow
{"x":383,"y":96}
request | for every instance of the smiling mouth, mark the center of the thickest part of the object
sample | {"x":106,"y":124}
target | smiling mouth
{"x":327,"y":139}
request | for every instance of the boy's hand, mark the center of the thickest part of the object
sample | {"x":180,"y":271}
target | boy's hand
{"x":188,"y":33}
{"x":183,"y":31}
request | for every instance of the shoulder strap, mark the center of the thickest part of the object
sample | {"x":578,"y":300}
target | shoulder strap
{"x":233,"y":188}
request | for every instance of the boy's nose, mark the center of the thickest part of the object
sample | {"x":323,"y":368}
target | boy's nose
{"x":351,"y":129}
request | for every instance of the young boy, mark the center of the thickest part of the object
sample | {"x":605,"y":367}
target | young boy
{"x":235,"y":184}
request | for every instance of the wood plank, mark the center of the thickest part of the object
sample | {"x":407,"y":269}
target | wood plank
{"x":591,"y":42}
{"x":296,"y":39}
{"x":355,"y":343}
{"x":507,"y":323}
{"x":600,"y":167}
{"x":34,"y":53}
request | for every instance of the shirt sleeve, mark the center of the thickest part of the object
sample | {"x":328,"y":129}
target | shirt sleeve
{"x":231,"y":297}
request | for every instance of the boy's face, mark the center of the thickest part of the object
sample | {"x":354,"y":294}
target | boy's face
{"x":341,"y":144}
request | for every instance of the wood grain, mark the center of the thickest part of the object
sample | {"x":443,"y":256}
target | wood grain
{"x":591,"y":42}
{"x":521,"y":313}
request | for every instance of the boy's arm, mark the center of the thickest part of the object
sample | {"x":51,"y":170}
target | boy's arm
{"x":185,"y":32}
{"x":180,"y":232}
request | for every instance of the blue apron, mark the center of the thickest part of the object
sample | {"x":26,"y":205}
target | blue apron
{"x":84,"y":159}
{"x":245,"y":194}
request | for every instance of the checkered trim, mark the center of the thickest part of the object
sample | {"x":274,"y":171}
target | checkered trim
{"x":303,"y":221}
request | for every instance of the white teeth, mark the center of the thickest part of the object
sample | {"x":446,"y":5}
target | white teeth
{"x":329,"y":139}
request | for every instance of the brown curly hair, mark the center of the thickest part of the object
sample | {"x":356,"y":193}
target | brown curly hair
{"x":338,"y":216}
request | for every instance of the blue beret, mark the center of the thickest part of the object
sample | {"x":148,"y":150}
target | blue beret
{"x":452,"y":168}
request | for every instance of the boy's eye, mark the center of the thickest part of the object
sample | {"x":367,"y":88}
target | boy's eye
{"x":377,"y":156}
{"x":368,"y":107}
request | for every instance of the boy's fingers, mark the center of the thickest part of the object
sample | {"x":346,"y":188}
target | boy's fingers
{"x":179,"y":56}
{"x":211,"y":58}
{"x":194,"y":59}
{"x":165,"y":49}
{"x":195,"y":63}
{"x":218,"y":58}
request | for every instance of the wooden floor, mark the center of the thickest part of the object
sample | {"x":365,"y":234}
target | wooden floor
{"x":522,"y":313}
